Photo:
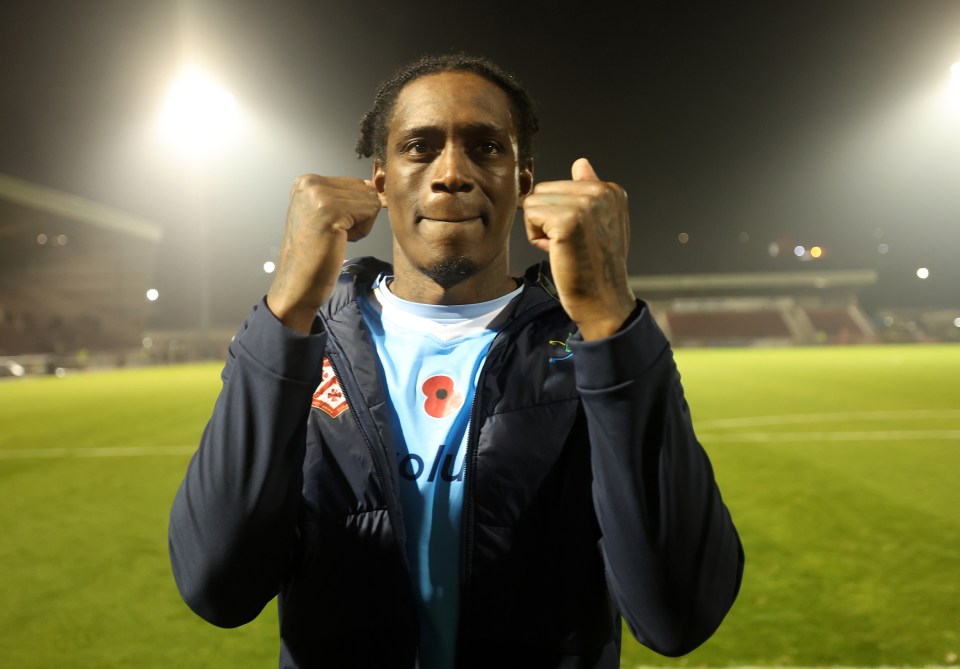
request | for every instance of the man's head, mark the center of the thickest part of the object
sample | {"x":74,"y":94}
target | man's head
{"x":449,"y":168}
{"x":373,"y":126}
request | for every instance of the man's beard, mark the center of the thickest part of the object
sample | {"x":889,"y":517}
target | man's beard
{"x":448,"y":272}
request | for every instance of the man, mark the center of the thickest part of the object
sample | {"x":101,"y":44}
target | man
{"x":435,"y":464}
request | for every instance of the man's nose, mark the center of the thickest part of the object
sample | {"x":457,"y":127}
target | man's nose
{"x":452,"y":172}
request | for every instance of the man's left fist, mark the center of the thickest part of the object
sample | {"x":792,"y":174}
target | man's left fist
{"x":585,"y":227}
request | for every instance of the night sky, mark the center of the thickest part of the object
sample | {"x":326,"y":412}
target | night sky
{"x":740,"y":124}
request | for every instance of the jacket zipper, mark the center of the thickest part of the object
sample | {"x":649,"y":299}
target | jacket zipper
{"x":466,"y":560}
{"x":363,"y":433}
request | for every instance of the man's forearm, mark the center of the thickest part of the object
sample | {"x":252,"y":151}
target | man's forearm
{"x":673,"y":556}
{"x":232,"y":524}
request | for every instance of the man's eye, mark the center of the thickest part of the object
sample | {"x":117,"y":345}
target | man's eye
{"x":490,"y":148}
{"x":418,"y":147}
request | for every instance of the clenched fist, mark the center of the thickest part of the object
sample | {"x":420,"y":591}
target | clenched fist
{"x":585,"y":227}
{"x":324,"y":214}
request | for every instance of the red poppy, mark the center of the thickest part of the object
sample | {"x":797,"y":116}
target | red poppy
{"x":442,"y":400}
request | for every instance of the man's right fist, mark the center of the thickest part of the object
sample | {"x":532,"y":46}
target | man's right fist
{"x":324,"y":214}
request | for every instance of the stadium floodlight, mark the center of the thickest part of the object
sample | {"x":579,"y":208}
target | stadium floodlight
{"x":153,"y":294}
{"x":816,"y":251}
{"x":923,"y":273}
{"x":799,"y":251}
{"x":198,"y":112}
{"x":269,"y":267}
{"x":198,"y":116}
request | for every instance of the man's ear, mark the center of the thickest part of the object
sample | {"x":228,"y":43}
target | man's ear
{"x":526,"y":178}
{"x":379,"y":180}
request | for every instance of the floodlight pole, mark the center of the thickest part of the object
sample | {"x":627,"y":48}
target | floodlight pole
{"x":197,"y":179}
{"x":198,"y":109}
{"x":203,"y":267}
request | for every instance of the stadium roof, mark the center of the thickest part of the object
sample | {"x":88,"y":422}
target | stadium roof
{"x":754,"y":281}
{"x":75,"y":208}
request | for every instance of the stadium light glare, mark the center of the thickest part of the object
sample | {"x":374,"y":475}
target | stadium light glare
{"x":153,"y":294}
{"x":923,"y":273}
{"x":683,"y":238}
{"x":816,"y":251}
{"x":956,"y":322}
{"x":883,"y":249}
{"x":799,"y":251}
{"x":198,"y":113}
{"x":952,"y":97}
{"x":18,"y":370}
{"x":269,"y":267}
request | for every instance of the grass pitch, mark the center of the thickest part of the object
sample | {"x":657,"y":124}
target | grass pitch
{"x":839,"y":465}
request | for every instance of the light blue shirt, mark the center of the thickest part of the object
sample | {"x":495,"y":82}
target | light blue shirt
{"x":431,"y":356}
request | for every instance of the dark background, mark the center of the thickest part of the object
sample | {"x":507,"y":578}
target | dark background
{"x":740,"y":124}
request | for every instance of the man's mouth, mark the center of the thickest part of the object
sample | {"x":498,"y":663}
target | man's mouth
{"x":462,"y":220}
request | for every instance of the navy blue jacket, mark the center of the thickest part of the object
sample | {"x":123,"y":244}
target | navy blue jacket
{"x":586,"y":497}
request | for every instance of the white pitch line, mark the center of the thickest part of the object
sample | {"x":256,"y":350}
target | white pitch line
{"x":835,"y":417}
{"x":831,"y":666}
{"x":879,"y":435}
{"x":107,"y":452}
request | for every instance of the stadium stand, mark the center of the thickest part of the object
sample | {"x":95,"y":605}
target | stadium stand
{"x":837,"y":324}
{"x":771,"y":309}
{"x":72,"y":273}
{"x":919,"y":325}
{"x":730,"y":326}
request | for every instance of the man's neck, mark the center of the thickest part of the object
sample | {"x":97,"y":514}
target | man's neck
{"x":409,"y":283}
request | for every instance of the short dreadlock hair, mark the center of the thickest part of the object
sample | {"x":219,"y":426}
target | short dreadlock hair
{"x":373,"y":127}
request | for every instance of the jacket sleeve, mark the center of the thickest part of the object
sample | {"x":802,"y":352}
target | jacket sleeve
{"x":233,"y":521}
{"x":673,"y":558}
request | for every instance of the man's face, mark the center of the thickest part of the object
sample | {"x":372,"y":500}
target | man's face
{"x":452,"y":180}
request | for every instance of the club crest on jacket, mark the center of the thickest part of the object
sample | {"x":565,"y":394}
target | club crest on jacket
{"x":329,"y":397}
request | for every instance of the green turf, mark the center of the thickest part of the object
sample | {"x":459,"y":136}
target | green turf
{"x":86,"y":580}
{"x":853,"y":542}
{"x":853,"y":546}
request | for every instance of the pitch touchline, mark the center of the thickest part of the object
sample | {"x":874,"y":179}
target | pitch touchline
{"x":832,"y":666}
{"x":879,"y":435}
{"x":836,"y":417}
{"x":107,"y":452}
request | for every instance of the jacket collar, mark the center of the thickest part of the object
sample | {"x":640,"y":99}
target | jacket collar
{"x":358,"y":274}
